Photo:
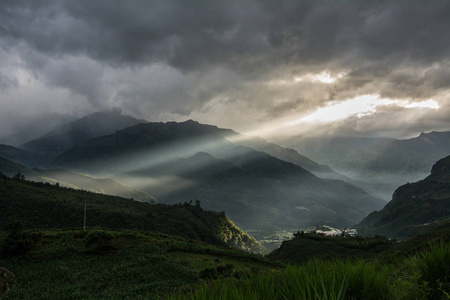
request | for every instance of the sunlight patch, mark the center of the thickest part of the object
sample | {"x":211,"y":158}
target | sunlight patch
{"x":430,"y":103}
{"x":324,"y":77}
{"x":360,"y":106}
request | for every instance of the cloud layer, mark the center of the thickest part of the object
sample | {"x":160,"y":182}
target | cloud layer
{"x":238,"y":64}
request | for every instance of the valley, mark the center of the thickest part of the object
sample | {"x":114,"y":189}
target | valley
{"x":202,"y":205}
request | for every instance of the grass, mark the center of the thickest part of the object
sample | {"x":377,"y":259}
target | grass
{"x":129,"y":264}
{"x":433,"y":265}
{"x":304,"y":247}
{"x":314,"y":280}
{"x":425,"y":275}
{"x":124,"y":264}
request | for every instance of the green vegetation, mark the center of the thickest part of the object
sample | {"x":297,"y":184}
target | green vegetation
{"x":125,"y":264}
{"x":306,"y":246}
{"x":45,"y":206}
{"x":422,"y":276}
{"x":433,"y":265}
{"x":314,"y":280}
{"x":130,"y":264}
{"x":180,"y":251}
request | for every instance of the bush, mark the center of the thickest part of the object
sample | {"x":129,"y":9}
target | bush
{"x":99,"y":240}
{"x":18,"y":241}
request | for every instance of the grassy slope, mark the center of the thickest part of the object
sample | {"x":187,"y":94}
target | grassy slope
{"x":42,"y":205}
{"x":415,"y":269}
{"x":307,"y":246}
{"x":304,"y":247}
{"x":132,"y":264}
{"x":135,"y":264}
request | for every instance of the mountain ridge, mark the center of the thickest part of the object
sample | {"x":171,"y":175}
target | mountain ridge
{"x":66,"y":136}
{"x":380,"y":164}
{"x":151,"y":157}
{"x":414,"y":207}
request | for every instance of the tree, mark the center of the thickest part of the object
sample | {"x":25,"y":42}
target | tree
{"x":19,"y":176}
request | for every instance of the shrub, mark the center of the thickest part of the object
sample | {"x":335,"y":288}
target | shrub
{"x":99,"y":240}
{"x":18,"y":241}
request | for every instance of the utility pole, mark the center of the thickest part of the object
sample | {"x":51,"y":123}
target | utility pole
{"x":84,"y":224}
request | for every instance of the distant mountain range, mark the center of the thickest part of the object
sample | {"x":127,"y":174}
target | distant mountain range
{"x":26,"y":158}
{"x":184,"y":161}
{"x":35,"y":128}
{"x":75,"y":180}
{"x":415,"y":207}
{"x":378,"y":165}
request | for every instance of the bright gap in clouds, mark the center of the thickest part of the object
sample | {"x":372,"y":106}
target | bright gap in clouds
{"x":359,"y":106}
{"x":426,"y":104}
{"x":324,"y":77}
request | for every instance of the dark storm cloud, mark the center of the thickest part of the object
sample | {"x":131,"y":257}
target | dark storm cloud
{"x":177,"y":58}
{"x":189,"y":34}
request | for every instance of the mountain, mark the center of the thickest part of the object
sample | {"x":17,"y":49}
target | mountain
{"x":414,"y":207}
{"x":179,"y":161}
{"x":41,"y":205}
{"x":10,"y":169}
{"x":74,"y":180}
{"x":289,"y":155}
{"x":66,"y":136}
{"x":26,"y":158}
{"x":379,"y":164}
{"x":35,"y":128}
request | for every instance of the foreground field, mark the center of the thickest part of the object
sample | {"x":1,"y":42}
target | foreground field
{"x":100,"y":264}
{"x":126,"y":264}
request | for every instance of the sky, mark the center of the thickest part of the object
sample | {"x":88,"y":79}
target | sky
{"x":266,"y":67}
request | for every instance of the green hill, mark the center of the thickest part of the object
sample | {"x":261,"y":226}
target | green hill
{"x":306,"y":246}
{"x":414,"y":208}
{"x":42,"y":205}
{"x":121,"y":264}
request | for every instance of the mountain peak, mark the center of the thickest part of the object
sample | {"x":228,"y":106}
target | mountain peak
{"x":190,"y":121}
{"x":66,"y":136}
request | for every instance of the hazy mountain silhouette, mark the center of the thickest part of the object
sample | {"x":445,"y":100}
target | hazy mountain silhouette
{"x":174,"y":161}
{"x":35,"y":128}
{"x":415,"y":207}
{"x":383,"y":164}
{"x":66,"y":136}
{"x":26,"y":158}
{"x":74,"y":180}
